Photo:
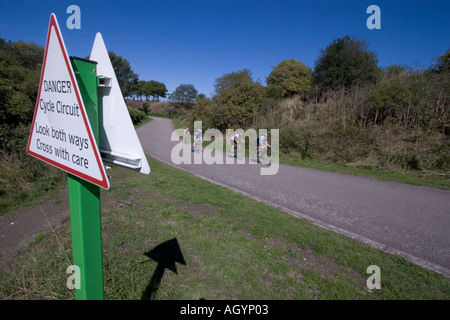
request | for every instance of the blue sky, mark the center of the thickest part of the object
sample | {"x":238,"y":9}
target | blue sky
{"x":195,"y":42}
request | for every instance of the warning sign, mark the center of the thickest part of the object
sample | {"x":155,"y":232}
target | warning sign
{"x":61,"y":134}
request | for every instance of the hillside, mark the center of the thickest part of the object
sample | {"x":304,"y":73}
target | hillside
{"x":23,"y":178}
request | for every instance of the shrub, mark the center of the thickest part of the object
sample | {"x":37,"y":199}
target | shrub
{"x":136,"y":115}
{"x":146,"y":107}
{"x":344,"y":63}
{"x":295,"y":139}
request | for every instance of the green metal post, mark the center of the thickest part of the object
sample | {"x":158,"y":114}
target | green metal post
{"x":84,"y":198}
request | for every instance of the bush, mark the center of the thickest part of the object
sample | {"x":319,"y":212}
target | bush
{"x":136,"y":115}
{"x":295,"y":139}
{"x":344,"y":63}
{"x":22,"y":177}
{"x":146,"y":107}
{"x":290,"y":77}
{"x":236,"y":101}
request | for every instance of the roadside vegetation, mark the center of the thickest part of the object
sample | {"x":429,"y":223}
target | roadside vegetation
{"x":346,"y":114}
{"x":24,"y":179}
{"x":345,"y":111}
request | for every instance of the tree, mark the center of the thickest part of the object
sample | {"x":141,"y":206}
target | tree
{"x":156,"y":89}
{"x":344,"y":63}
{"x":128,"y":80}
{"x":184,"y":93}
{"x":150,"y":88}
{"x":20,"y":65}
{"x":204,"y":110}
{"x":232,"y":80}
{"x":288,"y":78}
{"x":141,"y":89}
{"x":201,"y":96}
{"x":443,"y":63}
{"x":237,"y":99}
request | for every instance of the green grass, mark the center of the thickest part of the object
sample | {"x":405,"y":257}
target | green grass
{"x":233,"y":248}
{"x":368,"y":172}
{"x":146,"y":120}
{"x":33,"y":193}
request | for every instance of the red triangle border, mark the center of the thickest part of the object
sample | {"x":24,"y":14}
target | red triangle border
{"x":104,"y":183}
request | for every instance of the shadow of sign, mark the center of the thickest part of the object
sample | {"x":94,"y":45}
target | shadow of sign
{"x":167,"y":254}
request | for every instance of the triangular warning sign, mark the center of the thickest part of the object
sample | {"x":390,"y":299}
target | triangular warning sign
{"x":60,"y":133}
{"x":118,"y":141}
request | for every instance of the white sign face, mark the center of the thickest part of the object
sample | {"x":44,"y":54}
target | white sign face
{"x":118,"y":141}
{"x":61,"y":134}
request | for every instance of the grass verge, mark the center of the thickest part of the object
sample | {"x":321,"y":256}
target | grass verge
{"x":146,"y":120}
{"x":368,"y":172}
{"x":232,"y":248}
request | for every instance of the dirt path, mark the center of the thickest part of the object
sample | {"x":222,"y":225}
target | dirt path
{"x":19,"y":228}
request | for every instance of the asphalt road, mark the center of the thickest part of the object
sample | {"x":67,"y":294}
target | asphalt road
{"x":409,"y":221}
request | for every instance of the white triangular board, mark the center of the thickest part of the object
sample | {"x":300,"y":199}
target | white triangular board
{"x":60,"y":133}
{"x":118,"y":139}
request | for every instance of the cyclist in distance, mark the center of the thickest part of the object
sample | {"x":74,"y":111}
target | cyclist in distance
{"x":261,"y":145}
{"x":235,"y":140}
{"x":197,"y":144}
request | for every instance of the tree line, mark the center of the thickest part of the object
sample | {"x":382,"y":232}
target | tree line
{"x":391,"y":94}
{"x":130,"y":84}
{"x":134,"y":88}
{"x":346,"y":109}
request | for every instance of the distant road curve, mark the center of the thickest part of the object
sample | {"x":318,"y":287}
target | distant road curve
{"x":409,"y":221}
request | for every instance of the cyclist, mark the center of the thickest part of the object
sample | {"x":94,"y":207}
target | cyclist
{"x":261,"y":145}
{"x":197,"y":140}
{"x":187,"y":135}
{"x":237,"y":138}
